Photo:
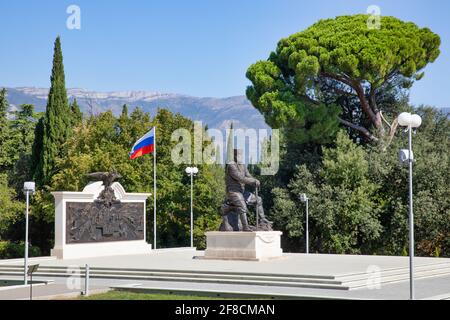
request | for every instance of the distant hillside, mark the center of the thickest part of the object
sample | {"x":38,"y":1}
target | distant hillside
{"x":215,"y":112}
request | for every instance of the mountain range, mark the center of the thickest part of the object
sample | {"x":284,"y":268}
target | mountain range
{"x":215,"y":112}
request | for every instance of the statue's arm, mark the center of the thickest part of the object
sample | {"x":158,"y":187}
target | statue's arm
{"x":249,"y":176}
{"x":242,"y":177}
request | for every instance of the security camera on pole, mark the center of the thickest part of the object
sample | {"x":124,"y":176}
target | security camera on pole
{"x":192,"y":171}
{"x":28,"y":187}
{"x":410,"y":121}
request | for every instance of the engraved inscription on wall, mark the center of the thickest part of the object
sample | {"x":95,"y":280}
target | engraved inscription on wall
{"x":96,"y":222}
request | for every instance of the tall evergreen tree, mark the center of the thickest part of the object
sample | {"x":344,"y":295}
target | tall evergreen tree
{"x":5,"y":143}
{"x":57,"y":121}
{"x":22,"y":128}
{"x":3,"y":124}
{"x":125,"y":111}
{"x":22,"y":131}
{"x":77,"y":115}
{"x":3,"y":110}
{"x":123,"y":126}
{"x":37,"y":146}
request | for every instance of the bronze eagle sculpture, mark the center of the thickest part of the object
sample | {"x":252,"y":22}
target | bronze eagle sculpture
{"x":107,"y":177}
{"x":107,"y":195}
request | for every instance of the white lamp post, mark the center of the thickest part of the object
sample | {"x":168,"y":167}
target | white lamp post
{"x":28,"y":187}
{"x":411,"y":121}
{"x":305,"y":199}
{"x":192,"y":171}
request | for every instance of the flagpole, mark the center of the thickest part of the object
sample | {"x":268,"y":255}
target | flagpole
{"x":154,"y":190}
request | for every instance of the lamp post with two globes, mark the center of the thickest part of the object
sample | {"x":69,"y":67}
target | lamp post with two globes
{"x":192,"y":171}
{"x":410,"y":121}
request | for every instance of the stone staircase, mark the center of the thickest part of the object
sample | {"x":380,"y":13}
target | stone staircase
{"x":339,"y":282}
{"x":393,"y":275}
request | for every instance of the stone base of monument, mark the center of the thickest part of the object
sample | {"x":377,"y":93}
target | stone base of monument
{"x":91,"y":250}
{"x":87,"y":225}
{"x":254,"y":246}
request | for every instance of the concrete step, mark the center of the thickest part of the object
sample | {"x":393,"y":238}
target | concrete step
{"x":185,"y":273}
{"x":388,"y":273}
{"x":166,"y":271}
{"x":131,"y":274}
{"x":398,"y":278}
{"x":62,"y":271}
{"x":226,"y":293}
{"x":341,"y":282}
{"x":394,"y":271}
{"x":238,"y":275}
{"x":262,"y":282}
{"x":187,"y":276}
{"x":32,"y":260}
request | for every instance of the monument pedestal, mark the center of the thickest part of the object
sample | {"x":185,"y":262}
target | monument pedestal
{"x":254,"y":246}
{"x":91,"y":250}
{"x":84,"y":229}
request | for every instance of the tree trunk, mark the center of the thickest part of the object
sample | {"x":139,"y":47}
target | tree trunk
{"x":378,"y":123}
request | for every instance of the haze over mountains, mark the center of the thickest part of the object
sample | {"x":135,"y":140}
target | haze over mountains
{"x":215,"y":112}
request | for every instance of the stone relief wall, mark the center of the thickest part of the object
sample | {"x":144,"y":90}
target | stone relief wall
{"x":97,"y":222}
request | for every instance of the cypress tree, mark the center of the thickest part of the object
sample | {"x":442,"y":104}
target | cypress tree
{"x":77,"y":115}
{"x":7,"y":151}
{"x":3,"y":110}
{"x":22,"y":129}
{"x":3,"y":128}
{"x":123,"y":126}
{"x":37,"y":147}
{"x":3,"y":115}
{"x":57,"y":122}
{"x":124,"y":111}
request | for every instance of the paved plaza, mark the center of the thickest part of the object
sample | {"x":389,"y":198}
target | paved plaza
{"x":289,"y":264}
{"x":294,"y":276}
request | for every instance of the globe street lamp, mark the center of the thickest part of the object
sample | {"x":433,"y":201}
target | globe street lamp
{"x":304,"y":198}
{"x":192,"y":171}
{"x":410,"y":121}
{"x":28,"y":187}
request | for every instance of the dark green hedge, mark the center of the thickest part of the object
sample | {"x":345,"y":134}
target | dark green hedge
{"x":11,"y":250}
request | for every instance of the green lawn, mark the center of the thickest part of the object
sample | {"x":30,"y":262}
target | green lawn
{"x":6,"y":283}
{"x":125,"y":295}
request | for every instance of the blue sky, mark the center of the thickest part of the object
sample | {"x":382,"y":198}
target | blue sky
{"x":197,"y":47}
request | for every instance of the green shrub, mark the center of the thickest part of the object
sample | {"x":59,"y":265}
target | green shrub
{"x":11,"y":250}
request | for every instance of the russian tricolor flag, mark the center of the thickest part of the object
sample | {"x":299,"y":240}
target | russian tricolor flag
{"x":144,"y":145}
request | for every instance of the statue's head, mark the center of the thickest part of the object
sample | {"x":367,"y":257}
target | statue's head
{"x":238,"y":156}
{"x":115,"y":174}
